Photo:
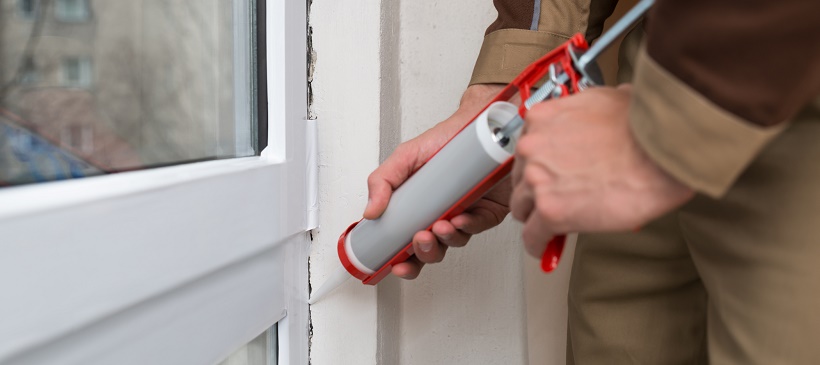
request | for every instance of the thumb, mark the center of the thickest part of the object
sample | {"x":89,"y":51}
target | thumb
{"x":386,"y":178}
{"x":379,"y":192}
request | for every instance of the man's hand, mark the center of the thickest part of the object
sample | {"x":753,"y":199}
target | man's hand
{"x":408,"y":157}
{"x":578,"y":169}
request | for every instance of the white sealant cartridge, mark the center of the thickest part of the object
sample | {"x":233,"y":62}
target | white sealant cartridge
{"x":469,"y":165}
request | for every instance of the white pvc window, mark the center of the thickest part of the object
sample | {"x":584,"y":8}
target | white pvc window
{"x":175,"y":265}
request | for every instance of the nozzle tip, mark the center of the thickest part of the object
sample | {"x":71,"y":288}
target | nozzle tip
{"x":334,"y":281}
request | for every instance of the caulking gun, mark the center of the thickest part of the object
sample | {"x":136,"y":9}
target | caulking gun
{"x":471,"y":163}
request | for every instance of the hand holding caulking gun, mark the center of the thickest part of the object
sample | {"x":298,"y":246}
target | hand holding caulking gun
{"x":475,"y":159}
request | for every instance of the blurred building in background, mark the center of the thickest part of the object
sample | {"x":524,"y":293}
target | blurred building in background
{"x":96,"y":86}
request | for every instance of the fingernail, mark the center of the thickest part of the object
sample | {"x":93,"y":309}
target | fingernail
{"x":426,"y":246}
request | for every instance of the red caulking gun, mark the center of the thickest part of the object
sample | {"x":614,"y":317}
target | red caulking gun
{"x":473,"y":161}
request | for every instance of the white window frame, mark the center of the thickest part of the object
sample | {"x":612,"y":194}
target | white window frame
{"x":176,"y":265}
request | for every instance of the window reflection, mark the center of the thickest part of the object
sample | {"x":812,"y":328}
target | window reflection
{"x":72,"y":10}
{"x":98,"y":86}
{"x":27,"y":8}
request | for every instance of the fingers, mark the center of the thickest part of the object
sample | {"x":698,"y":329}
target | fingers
{"x":430,"y":247}
{"x":449,"y":236}
{"x":517,"y":171}
{"x":536,"y":233}
{"x":427,"y":248}
{"x":525,"y":150}
{"x":522,"y":201}
{"x":536,"y":236}
{"x":379,"y":192}
{"x":409,"y":269}
{"x":480,"y":217}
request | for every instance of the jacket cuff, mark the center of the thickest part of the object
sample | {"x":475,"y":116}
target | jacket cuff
{"x":506,"y":52}
{"x":685,"y":134}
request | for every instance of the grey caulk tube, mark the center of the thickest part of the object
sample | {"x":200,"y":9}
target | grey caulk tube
{"x":455,"y":170}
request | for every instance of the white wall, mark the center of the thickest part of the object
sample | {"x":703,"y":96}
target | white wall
{"x":469,"y":309}
{"x":386,"y":71}
{"x":346,"y":90}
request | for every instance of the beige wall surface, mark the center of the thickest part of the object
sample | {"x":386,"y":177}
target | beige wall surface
{"x":346,"y":100}
{"x":470,"y":308}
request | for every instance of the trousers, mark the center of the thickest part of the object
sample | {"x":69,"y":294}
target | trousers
{"x":734,"y":280}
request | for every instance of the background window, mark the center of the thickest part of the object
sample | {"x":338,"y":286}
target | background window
{"x":27,"y":8}
{"x":77,"y":72}
{"x":160,"y":82}
{"x":28,"y":72}
{"x":72,"y":11}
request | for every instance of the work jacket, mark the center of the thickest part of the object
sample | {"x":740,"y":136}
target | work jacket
{"x":714,"y":80}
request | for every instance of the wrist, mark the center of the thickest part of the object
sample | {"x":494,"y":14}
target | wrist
{"x":475,"y":98}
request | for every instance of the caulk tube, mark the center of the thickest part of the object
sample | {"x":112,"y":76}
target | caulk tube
{"x":369,"y":248}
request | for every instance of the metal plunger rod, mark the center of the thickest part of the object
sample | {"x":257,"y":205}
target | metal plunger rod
{"x":503,"y":135}
{"x":608,"y":38}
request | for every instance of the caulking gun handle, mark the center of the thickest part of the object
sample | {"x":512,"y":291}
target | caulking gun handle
{"x":553,"y":253}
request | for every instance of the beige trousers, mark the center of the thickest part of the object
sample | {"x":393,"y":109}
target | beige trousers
{"x":729,"y":281}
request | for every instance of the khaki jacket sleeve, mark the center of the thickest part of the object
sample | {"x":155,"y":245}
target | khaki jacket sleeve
{"x":525,"y":30}
{"x":711,"y":91}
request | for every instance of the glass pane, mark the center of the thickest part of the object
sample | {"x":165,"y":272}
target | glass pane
{"x":260,"y":351}
{"x":90,"y":87}
{"x":72,"y":10}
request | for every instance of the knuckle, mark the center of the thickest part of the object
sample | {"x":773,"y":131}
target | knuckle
{"x":525,"y":146}
{"x":532,"y":175}
{"x":530,"y":244}
{"x":518,"y":211}
{"x":401,"y":149}
{"x":518,"y":214}
{"x":540,"y":111}
{"x":425,"y":257}
{"x":373,"y":180}
{"x":551,"y":211}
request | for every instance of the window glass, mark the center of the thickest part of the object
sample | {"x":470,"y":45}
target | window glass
{"x":72,"y":10}
{"x":76,"y":72}
{"x":27,"y":8}
{"x":102,"y":86}
{"x":28,"y":72}
{"x":262,"y":350}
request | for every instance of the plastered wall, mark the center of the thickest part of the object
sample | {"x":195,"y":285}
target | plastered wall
{"x":346,"y":91}
{"x":470,"y":308}
{"x":385,"y":72}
